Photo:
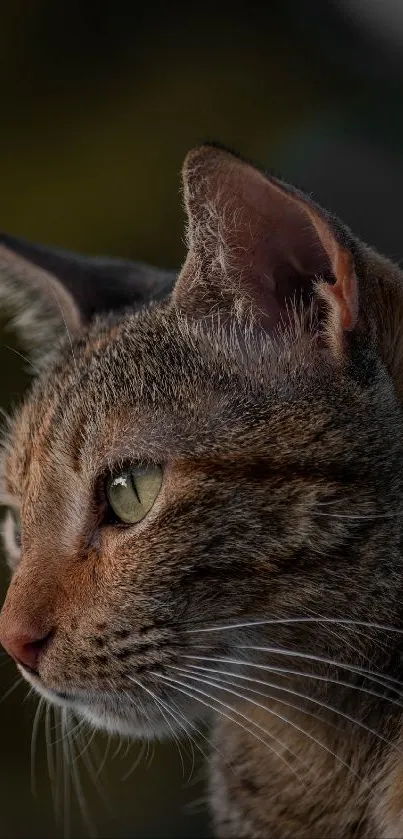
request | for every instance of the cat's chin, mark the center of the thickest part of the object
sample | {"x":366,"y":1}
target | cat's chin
{"x":107,"y":715}
{"x":104,"y":719}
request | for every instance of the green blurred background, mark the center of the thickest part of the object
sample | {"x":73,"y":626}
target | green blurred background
{"x":99,"y":104}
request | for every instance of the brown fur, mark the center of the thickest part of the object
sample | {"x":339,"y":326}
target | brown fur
{"x":277,"y":418}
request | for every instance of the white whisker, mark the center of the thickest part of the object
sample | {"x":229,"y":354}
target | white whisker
{"x":127,"y":749}
{"x":24,"y":358}
{"x":77,"y":783}
{"x":11,"y":689}
{"x":285,"y":621}
{"x":118,"y":748}
{"x":34,"y":737}
{"x":186,"y":727}
{"x":161,"y":705}
{"x":85,"y":755}
{"x":184,"y":687}
{"x":280,"y":716}
{"x":30,"y":692}
{"x":49,"y":751}
{"x":105,"y":757}
{"x":58,"y":802}
{"x":87,"y":743}
{"x":384,"y":681}
{"x":66,"y":777}
{"x":152,"y":754}
{"x":357,"y":631}
{"x":352,"y":668}
{"x":281,"y":671}
{"x":345,"y":716}
{"x":136,"y":762}
{"x":357,"y":517}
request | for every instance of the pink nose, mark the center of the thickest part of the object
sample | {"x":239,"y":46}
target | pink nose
{"x":25,"y":649}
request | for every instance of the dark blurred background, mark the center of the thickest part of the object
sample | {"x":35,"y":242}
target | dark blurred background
{"x":99,"y":105}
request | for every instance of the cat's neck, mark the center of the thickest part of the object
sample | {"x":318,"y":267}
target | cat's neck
{"x":316,"y":766}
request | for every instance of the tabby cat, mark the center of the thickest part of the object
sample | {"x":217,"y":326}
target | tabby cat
{"x":205,"y":497}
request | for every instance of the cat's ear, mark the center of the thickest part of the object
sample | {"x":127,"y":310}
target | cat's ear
{"x":257,"y":244}
{"x":48,"y":290}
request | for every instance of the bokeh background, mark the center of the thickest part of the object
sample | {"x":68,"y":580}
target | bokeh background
{"x":99,"y":104}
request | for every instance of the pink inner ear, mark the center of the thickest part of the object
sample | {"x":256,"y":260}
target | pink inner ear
{"x":253,"y":240}
{"x":345,"y":289}
{"x":286,"y":255}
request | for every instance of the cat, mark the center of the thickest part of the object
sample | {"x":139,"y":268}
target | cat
{"x":205,"y":493}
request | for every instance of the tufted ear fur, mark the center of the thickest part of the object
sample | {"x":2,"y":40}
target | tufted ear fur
{"x":48,"y":289}
{"x":256,"y":244}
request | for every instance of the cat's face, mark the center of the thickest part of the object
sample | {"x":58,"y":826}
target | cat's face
{"x":173,"y":471}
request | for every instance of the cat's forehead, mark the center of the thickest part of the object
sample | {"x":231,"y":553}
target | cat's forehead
{"x":154,"y":386}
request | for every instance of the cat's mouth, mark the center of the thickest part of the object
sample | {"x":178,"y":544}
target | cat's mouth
{"x":61,"y":697}
{"x":65,"y":697}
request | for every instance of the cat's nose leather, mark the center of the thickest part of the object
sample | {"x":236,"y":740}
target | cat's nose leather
{"x":25,"y":648}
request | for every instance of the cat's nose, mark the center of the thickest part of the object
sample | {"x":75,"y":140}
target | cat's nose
{"x":25,"y":648}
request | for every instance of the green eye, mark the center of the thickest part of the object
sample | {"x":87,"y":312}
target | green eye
{"x":132,"y":492}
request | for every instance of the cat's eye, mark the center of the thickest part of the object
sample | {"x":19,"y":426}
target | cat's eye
{"x":132,"y":492}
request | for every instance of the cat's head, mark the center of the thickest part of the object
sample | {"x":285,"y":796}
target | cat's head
{"x":229,"y":455}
